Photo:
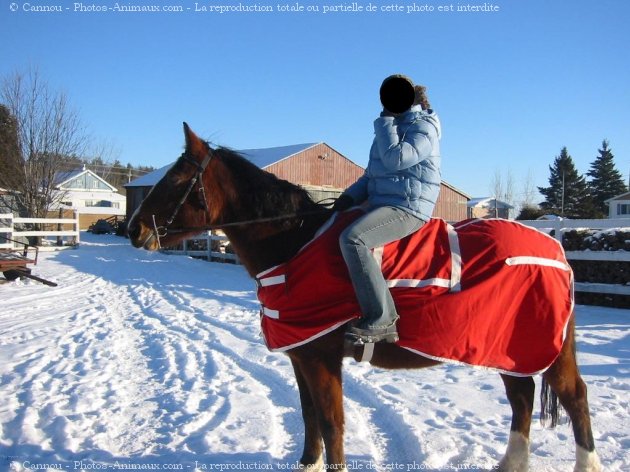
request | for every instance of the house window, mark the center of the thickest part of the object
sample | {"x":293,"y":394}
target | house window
{"x":623,"y":209}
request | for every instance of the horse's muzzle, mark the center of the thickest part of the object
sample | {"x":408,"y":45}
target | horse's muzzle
{"x":142,"y":236}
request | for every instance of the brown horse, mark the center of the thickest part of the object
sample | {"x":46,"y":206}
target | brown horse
{"x":267,"y":221}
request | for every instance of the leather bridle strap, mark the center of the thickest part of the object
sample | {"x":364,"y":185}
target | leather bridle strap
{"x":198,"y":177}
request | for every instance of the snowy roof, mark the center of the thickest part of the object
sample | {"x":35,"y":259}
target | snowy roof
{"x":623,"y":196}
{"x":150,"y":179}
{"x":269,"y":156}
{"x":550,"y":218}
{"x":487,"y":202}
{"x":263,"y":158}
{"x":62,"y":178}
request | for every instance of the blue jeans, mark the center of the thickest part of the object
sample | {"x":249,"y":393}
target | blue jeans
{"x":378,"y":227}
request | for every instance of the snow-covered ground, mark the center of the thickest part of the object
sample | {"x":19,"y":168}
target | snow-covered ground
{"x":141,"y":358}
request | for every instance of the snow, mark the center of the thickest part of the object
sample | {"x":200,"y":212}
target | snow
{"x":139,"y":359}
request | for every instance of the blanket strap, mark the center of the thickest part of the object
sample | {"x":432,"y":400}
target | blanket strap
{"x":368,"y":352}
{"x":456,"y":259}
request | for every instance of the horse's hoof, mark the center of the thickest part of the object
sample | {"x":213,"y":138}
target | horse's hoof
{"x":587,"y":461}
{"x":516,"y":457}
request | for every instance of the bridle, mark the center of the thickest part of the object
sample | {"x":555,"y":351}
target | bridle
{"x":161,"y":231}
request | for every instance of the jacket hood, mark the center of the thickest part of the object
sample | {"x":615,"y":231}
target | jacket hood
{"x":431,"y":117}
{"x":416,"y":113}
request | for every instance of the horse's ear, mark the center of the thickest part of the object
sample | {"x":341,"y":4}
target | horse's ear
{"x":194,"y":145}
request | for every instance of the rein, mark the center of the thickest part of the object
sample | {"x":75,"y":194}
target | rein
{"x":288,"y":216}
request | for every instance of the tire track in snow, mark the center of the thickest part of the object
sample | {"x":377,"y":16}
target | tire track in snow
{"x":380,"y":421}
{"x":60,"y":390}
{"x":278,"y":381}
{"x":227,"y":373}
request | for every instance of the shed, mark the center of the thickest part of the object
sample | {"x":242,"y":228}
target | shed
{"x":452,"y":203}
{"x":489,"y":207}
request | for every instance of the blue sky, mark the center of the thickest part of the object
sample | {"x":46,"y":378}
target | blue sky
{"x":511,"y":87}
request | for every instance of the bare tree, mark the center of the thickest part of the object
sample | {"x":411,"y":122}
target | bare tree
{"x":48,"y":132}
{"x":530,"y":192}
{"x":502,"y":188}
{"x":496,"y":186}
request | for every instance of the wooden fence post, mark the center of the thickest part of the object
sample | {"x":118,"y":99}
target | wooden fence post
{"x":77,"y":227}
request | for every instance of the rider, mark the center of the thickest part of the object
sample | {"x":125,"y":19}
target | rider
{"x":401,"y":185}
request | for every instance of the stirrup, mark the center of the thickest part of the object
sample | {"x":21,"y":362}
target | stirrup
{"x":368,"y":336}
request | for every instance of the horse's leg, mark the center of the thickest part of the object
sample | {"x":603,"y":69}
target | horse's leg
{"x":564,"y":379}
{"x":323,"y":379}
{"x":312,"y":457}
{"x":520,"y":393}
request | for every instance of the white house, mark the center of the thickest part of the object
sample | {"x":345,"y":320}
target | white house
{"x":89,"y":194}
{"x":619,"y":206}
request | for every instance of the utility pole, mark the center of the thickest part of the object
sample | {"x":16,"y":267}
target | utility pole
{"x":562,"y":204}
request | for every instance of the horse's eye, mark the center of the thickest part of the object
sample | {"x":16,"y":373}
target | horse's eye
{"x":173,"y":179}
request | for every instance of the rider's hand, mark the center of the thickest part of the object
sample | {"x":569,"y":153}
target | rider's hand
{"x":343,"y":203}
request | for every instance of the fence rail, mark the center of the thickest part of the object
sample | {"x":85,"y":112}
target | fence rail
{"x":555,"y":227}
{"x":210,"y":252}
{"x":8,"y":228}
{"x":559,"y":227}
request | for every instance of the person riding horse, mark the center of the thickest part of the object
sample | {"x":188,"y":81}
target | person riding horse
{"x":400,"y":185}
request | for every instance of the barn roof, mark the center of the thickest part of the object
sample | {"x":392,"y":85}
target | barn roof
{"x":263,"y":158}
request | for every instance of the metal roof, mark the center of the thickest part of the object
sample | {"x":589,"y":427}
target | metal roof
{"x":263,"y":158}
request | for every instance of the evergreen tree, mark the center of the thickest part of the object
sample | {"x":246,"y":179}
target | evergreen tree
{"x":568,"y":193}
{"x":10,"y":160}
{"x":530,"y":212}
{"x":606,"y":181}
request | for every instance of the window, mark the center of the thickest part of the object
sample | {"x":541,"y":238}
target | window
{"x":623,"y":209}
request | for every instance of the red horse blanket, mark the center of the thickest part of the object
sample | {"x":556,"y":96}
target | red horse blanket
{"x":490,"y":293}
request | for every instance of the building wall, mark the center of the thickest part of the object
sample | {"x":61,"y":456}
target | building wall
{"x":86,"y":181}
{"x":451,"y":205}
{"x":485,"y":212}
{"x":135,"y":195}
{"x":619,"y":208}
{"x":320,"y":165}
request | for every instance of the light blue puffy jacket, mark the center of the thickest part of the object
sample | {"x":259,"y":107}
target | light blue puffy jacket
{"x":404,"y":166}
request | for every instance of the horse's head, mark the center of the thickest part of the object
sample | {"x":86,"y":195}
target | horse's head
{"x":178,"y":202}
{"x":267,"y":219}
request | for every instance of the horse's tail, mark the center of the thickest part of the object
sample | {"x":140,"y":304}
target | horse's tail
{"x":549,"y":406}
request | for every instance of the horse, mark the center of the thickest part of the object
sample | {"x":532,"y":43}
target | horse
{"x":268,"y":220}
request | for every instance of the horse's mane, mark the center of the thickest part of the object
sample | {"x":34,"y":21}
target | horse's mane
{"x":261,"y":192}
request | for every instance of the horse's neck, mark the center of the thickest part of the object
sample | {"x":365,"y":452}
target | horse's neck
{"x":259,"y":251}
{"x":263,"y":245}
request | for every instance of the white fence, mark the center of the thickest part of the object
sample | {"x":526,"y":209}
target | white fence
{"x":71,"y":237}
{"x":212,"y":251}
{"x":559,"y":227}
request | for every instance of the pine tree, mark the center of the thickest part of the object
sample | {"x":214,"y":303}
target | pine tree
{"x":10,"y":161}
{"x":568,"y":193}
{"x":606,"y":181}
